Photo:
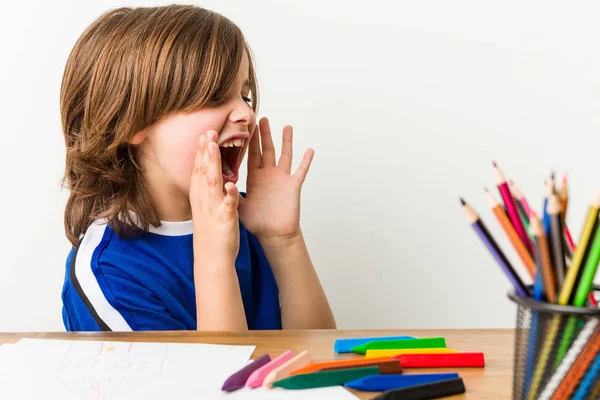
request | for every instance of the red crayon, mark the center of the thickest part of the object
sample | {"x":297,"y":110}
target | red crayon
{"x":441,"y":360}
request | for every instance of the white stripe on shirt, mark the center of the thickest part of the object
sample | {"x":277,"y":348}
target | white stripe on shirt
{"x":88,"y":282}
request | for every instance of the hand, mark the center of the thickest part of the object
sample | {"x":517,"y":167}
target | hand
{"x":271,"y":209}
{"x":214,"y":213}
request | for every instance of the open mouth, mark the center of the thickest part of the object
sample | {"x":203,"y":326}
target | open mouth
{"x":230,"y":159}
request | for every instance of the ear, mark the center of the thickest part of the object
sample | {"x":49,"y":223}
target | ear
{"x":138,"y":138}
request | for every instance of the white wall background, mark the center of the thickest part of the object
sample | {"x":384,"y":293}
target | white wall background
{"x":406,"y":104}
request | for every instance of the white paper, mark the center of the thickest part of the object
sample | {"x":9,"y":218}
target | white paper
{"x":329,"y":393}
{"x":93,"y":370}
{"x":100,"y":370}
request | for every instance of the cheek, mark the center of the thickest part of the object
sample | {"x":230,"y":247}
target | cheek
{"x":188,"y":157}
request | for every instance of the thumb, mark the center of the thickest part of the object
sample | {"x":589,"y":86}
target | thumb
{"x":232,"y":196}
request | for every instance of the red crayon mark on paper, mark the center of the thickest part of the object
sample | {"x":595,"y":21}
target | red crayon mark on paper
{"x":101,"y":347}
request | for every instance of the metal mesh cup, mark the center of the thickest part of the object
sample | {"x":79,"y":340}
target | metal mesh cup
{"x":549,"y":338}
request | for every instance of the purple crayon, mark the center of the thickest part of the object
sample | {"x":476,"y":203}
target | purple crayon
{"x":238,"y":379}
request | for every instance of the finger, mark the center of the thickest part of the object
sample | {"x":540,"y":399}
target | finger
{"x":197,"y":172}
{"x":214,"y":179}
{"x":304,"y":165}
{"x":285,"y":160}
{"x":232,"y":196}
{"x":212,"y":135}
{"x":254,"y":156}
{"x":199,"y":154}
{"x":266,"y":141}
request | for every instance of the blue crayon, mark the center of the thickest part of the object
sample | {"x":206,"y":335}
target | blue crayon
{"x":346,"y":345}
{"x":382,"y":383}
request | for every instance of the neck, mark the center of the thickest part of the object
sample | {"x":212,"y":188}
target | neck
{"x":172,"y":203}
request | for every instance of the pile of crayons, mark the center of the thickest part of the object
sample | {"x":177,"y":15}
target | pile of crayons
{"x":563,"y":352}
{"x":379,"y":369}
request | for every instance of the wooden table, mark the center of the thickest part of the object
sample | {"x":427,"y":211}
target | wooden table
{"x":492,"y":382}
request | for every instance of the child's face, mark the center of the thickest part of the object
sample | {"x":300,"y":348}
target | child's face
{"x":169,"y":146}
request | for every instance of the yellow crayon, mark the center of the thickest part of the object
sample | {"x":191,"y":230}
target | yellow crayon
{"x":397,"y":352}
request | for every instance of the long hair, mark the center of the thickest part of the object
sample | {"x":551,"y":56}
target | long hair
{"x":130,"y":68}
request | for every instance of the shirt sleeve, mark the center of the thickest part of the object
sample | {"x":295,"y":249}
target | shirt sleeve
{"x":106,"y":295}
{"x":140,"y":307}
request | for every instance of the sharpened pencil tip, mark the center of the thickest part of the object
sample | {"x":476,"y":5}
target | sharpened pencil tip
{"x":494,"y":164}
{"x":552,"y":175}
{"x":485,"y":189}
{"x":463,"y":202}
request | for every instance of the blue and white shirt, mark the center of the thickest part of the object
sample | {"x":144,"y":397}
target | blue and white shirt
{"x":147,"y":282}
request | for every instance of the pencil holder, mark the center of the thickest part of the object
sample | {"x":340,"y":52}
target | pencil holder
{"x":557,"y":351}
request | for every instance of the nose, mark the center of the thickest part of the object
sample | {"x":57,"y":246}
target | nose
{"x":242,"y":113}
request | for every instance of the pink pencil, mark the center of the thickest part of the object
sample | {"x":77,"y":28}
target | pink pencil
{"x":257,"y":377}
{"x":514,"y":190}
{"x":511,"y":208}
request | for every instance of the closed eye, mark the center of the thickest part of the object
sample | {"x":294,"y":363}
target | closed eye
{"x":215,"y":101}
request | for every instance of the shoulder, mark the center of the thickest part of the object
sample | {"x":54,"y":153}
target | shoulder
{"x":121,"y":284}
{"x":84,"y":293}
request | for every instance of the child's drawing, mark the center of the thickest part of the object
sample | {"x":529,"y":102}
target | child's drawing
{"x":99,"y":371}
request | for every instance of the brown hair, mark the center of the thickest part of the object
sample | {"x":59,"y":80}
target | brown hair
{"x":130,"y":68}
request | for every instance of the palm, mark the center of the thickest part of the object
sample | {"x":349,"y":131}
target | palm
{"x":272,"y":205}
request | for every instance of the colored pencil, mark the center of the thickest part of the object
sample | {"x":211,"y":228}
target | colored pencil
{"x":596,"y":392}
{"x":511,"y":208}
{"x":573,"y":276}
{"x":518,"y":195}
{"x":562,"y":360}
{"x":589,"y":270}
{"x":522,"y":207}
{"x":512,"y":235}
{"x":492,"y":246}
{"x":543,"y":261}
{"x":563,"y":195}
{"x":556,"y":238}
{"x":543,"y":357}
{"x":544,"y":278}
{"x":569,"y":246}
{"x":578,"y":369}
{"x":586,"y":386}
{"x":544,"y":287}
{"x":566,"y":363}
{"x":592,"y":300}
{"x":548,"y":190}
